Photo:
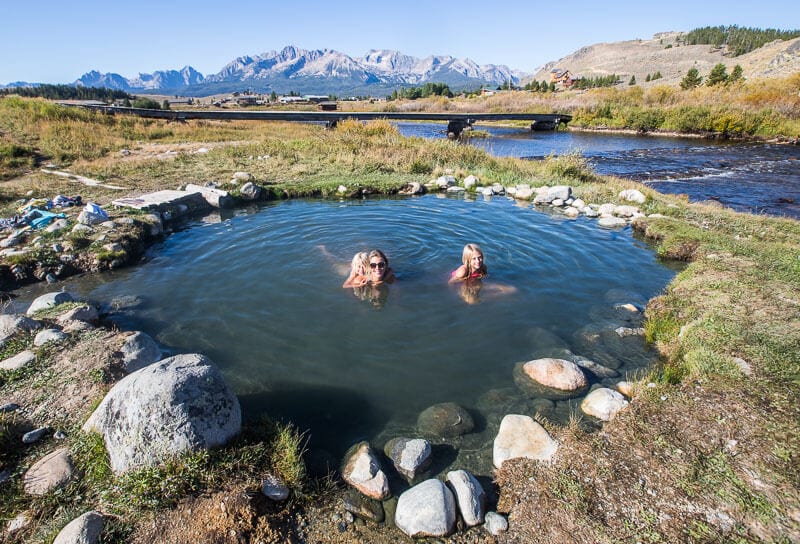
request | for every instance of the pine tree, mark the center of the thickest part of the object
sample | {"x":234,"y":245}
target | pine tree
{"x":691,"y":80}
{"x":736,"y":74}
{"x":632,"y":81}
{"x":718,"y":75}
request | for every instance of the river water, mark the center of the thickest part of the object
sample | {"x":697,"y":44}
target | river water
{"x":259,"y":291}
{"x":750,"y":177}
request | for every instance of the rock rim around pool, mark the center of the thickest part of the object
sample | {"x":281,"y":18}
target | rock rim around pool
{"x":445,"y":420}
{"x":427,"y":509}
{"x":362,"y":470}
{"x":177,"y":405}
{"x":603,"y":403}
{"x":554,"y":379}
{"x":410,"y":456}
{"x":521,"y":436}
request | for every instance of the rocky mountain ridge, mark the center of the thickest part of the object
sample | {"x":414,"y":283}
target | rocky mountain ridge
{"x":319,"y":71}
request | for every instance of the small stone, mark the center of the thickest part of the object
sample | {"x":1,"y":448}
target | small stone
{"x":9,"y":407}
{"x":59,"y":435}
{"x":628,"y":331}
{"x":49,"y":335}
{"x":496,"y":523}
{"x":20,"y":360}
{"x":273,"y":488}
{"x":34,"y":436}
{"x":20,"y":522}
{"x":52,"y":471}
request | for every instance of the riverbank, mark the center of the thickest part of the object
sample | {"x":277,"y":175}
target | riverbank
{"x":706,"y":453}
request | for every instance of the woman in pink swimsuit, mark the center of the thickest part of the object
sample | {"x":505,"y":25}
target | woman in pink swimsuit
{"x":473,"y":267}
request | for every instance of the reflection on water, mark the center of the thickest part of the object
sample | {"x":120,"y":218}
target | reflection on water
{"x":256,"y":294}
{"x":750,"y":177}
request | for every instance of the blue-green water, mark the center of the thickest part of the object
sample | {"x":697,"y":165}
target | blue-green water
{"x":258,"y":294}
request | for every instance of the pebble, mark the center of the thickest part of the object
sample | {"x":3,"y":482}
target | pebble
{"x":59,"y":435}
{"x":8,"y":407}
{"x":34,"y":436}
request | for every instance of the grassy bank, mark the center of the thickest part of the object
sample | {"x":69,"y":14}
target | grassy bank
{"x":706,"y":454}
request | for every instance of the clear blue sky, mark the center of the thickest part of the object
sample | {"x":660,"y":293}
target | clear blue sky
{"x":57,"y":41}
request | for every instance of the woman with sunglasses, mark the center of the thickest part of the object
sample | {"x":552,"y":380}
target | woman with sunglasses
{"x":379,"y":271}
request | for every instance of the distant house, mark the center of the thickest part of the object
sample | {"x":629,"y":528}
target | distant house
{"x":564,"y":77}
{"x":315,"y":98}
{"x":328,"y":105}
{"x":290,"y":99}
{"x":487,"y":92}
{"x":247,"y":100}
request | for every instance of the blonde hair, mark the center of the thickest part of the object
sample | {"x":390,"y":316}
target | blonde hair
{"x":359,"y":264}
{"x":466,"y":258}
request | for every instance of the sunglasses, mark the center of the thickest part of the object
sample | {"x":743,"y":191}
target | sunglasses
{"x":377,"y":265}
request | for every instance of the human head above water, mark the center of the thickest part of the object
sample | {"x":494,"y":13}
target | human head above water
{"x":360,"y":263}
{"x":378,"y":263}
{"x":472,"y":258}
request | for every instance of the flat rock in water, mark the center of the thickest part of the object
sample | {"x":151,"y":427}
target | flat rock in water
{"x":551,"y":378}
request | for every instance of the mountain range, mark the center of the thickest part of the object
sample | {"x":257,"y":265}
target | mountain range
{"x":319,"y":71}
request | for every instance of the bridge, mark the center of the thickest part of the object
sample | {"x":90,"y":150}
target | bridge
{"x":456,"y":122}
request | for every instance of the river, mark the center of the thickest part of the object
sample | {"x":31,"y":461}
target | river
{"x":758,"y":178}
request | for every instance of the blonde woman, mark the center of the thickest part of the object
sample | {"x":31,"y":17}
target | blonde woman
{"x":358,"y":270}
{"x":473,"y":267}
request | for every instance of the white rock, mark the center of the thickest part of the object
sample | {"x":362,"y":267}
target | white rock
{"x":11,"y":324}
{"x":606,"y":209}
{"x":496,"y":523}
{"x":242,"y":176}
{"x":427,"y":509}
{"x":176,"y":405}
{"x":87,"y":313}
{"x":20,"y":522}
{"x":470,"y":181}
{"x":632,"y":195}
{"x":569,"y":211}
{"x":498,"y":189}
{"x":611,"y":222}
{"x":523,"y":192}
{"x":578,"y":203}
{"x":557,"y":203}
{"x":603,"y":403}
{"x":470,"y":496}
{"x":84,"y":529}
{"x":520,"y":436}
{"x":455,"y":189}
{"x":410,"y":456}
{"x":626,"y":211}
{"x":628,"y":331}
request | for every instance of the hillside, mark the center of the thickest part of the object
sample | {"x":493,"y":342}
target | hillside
{"x":642,"y":57}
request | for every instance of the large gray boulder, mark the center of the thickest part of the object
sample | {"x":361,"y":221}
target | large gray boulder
{"x":177,"y":405}
{"x":427,"y":509}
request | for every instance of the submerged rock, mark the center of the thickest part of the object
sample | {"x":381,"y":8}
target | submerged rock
{"x":445,"y":420}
